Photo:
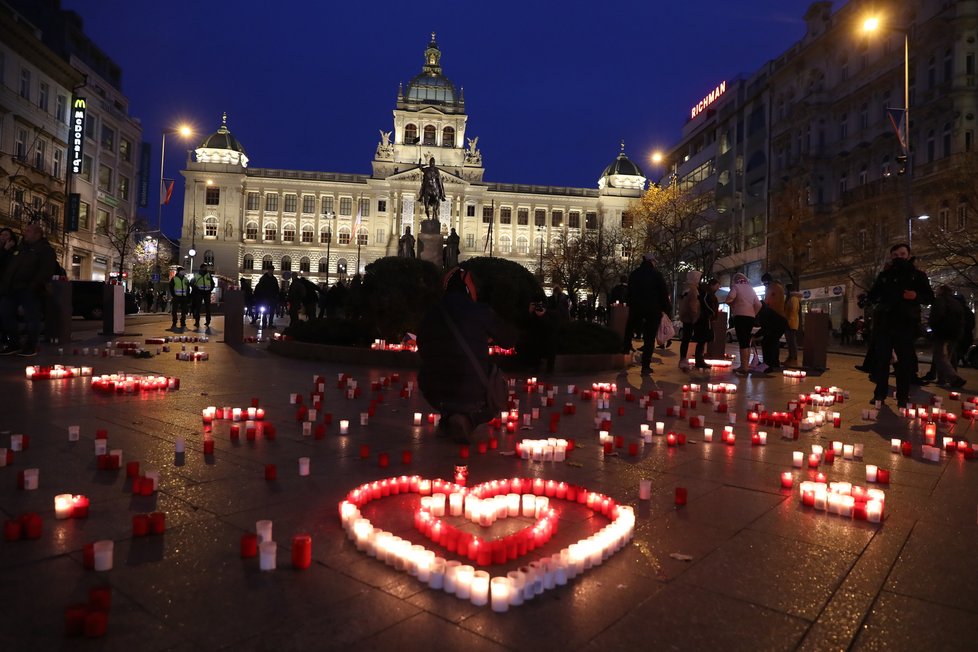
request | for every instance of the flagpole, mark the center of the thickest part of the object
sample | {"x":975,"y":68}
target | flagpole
{"x":159,"y":212}
{"x":356,"y":229}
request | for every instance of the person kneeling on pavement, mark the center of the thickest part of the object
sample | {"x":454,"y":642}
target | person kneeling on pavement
{"x":453,"y":339}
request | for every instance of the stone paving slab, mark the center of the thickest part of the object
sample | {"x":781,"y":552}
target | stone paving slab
{"x":764,"y":572}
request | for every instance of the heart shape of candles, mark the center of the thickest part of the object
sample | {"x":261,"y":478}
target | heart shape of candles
{"x":418,"y":561}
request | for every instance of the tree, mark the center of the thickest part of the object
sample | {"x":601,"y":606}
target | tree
{"x":144,"y":260}
{"x":566,"y":262}
{"x":951,"y":237}
{"x":790,"y":235}
{"x":122,"y":237}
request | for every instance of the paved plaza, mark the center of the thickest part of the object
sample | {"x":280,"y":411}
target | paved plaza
{"x":742,"y":566}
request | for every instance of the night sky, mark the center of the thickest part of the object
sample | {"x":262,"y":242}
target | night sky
{"x":550,"y":88}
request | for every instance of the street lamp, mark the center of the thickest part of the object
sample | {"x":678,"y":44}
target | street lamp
{"x":905,"y":163}
{"x":329,"y":241}
{"x":184,"y":132}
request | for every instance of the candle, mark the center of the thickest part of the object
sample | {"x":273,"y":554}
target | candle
{"x":787,"y":481}
{"x":103,"y":555}
{"x":264,"y":530}
{"x":480,"y":588}
{"x":266,"y":555}
{"x":501,"y":590}
{"x":301,"y":551}
{"x":681,"y":496}
{"x":797,"y":458}
{"x":660,"y":427}
{"x":73,"y":433}
{"x":344,"y":426}
{"x":303,"y":466}
{"x":874,"y":511}
{"x":463,"y":581}
{"x":847,"y":451}
{"x":708,"y":434}
{"x":644,"y":489}
{"x":62,"y":506}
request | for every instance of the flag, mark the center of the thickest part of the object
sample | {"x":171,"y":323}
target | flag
{"x":169,"y":192}
{"x":359,"y":220}
{"x":898,"y":118}
{"x":489,"y":230}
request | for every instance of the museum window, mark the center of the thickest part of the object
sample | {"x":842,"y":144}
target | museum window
{"x":381,"y":235}
{"x":448,"y":137}
{"x":487,"y":214}
{"x":248,"y":262}
{"x":308,"y":204}
{"x":286,"y":264}
{"x":210,"y":227}
{"x":290,"y":203}
{"x":327,"y":205}
{"x":253,"y":199}
{"x":470,"y":210}
{"x":304,"y":264}
{"x":429,"y":135}
{"x":341,"y":265}
{"x":410,"y":134}
{"x":270,"y":232}
{"x":288,"y":233}
{"x":57,"y":158}
{"x":307,"y":234}
{"x":212,"y":196}
{"x":591,"y":221}
{"x":627,"y":220}
{"x":266,"y":263}
{"x":522,"y":245}
{"x":251,"y":231}
{"x":323,"y":266}
{"x":522,"y":216}
{"x":271,"y":203}
{"x":325,"y":235}
{"x":381,"y":205}
{"x":962,"y":216}
{"x":539,"y":217}
{"x":574,"y":220}
{"x":505,"y":244}
{"x":108,"y":138}
{"x":346,"y":206}
{"x":556,"y":219}
{"x":469,"y":240}
{"x":61,"y":109}
{"x":43,"y":92}
{"x":25,"y":84}
{"x":363,"y":208}
{"x":362,"y":236}
{"x":505,"y":215}
{"x":344,"y":236}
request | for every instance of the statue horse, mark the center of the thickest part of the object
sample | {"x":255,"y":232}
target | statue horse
{"x":432,"y":190}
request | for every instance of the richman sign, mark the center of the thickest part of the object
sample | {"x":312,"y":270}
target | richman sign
{"x":714,"y":95}
{"x":78,"y":107}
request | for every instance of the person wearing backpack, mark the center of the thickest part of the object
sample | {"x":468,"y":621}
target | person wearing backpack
{"x":689,"y":313}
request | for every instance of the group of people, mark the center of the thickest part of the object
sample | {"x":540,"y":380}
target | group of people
{"x":26,"y":270}
{"x":267,"y":300}
{"x":191,"y":296}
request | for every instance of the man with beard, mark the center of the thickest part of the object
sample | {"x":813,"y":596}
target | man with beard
{"x":898,"y":292}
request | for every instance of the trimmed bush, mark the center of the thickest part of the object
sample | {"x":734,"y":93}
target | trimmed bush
{"x":395,"y":295}
{"x":506,"y":286}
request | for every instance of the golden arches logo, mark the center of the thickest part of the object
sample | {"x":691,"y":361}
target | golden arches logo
{"x":80,"y":103}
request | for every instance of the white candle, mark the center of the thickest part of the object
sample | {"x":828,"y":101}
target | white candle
{"x":529,"y":505}
{"x":438,"y":504}
{"x":660,"y":427}
{"x":303,"y":466}
{"x":103,"y":555}
{"x":455,"y":503}
{"x":644,"y":489}
{"x":31,"y":479}
{"x":517,"y":580}
{"x":264,"y":530}
{"x":874,"y":511}
{"x":857,"y":451}
{"x":797,"y":458}
{"x":3,"y":457}
{"x":417,"y":418}
{"x":501,"y":589}
{"x":73,"y":433}
{"x":871,"y":473}
{"x":344,"y":426}
{"x":266,"y":555}
{"x":847,"y":451}
{"x":451,"y":575}
{"x":180,"y":444}
{"x":480,"y":588}
{"x":154,"y":477}
{"x":708,"y":434}
{"x":437,"y":577}
{"x":62,"y":506}
{"x":236,"y":414}
{"x":364,"y":418}
{"x":762,"y":438}
{"x":895,"y":445}
{"x":102,"y":447}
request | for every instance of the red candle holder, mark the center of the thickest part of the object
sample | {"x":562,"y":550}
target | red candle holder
{"x":157,"y":522}
{"x":96,"y":624}
{"x":132,"y":469}
{"x":100,"y":598}
{"x":208,"y":447}
{"x":463,"y":451}
{"x":364,"y":451}
{"x":681,"y":496}
{"x":271,"y":472}
{"x":383,"y":460}
{"x":140,"y":525}
{"x":249,"y":545}
{"x":406,"y":457}
{"x":301,"y":551}
{"x":75,"y":619}
{"x":13,"y":530}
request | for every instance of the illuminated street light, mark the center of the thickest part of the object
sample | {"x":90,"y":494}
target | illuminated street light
{"x":185,"y":132}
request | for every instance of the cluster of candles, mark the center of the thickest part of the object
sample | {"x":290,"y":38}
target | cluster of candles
{"x":261,"y":544}
{"x":98,"y":555}
{"x":384,"y":345}
{"x":121,"y":383}
{"x":729,"y":438}
{"x":712,"y":363}
{"x":27,"y":526}
{"x":485,"y":512}
{"x":90,"y":619}
{"x":70,"y":506}
{"x":213,"y":413}
{"x":543,"y":450}
{"x":498,"y":350}
{"x":464,"y":581}
{"x":933,"y":414}
{"x":146,"y":524}
{"x":844,"y":499}
{"x":55,"y":372}
{"x":192,"y":356}
{"x":794,"y":375}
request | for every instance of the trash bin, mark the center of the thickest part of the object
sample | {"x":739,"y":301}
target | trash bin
{"x":816,"y":342}
{"x":233,"y":317}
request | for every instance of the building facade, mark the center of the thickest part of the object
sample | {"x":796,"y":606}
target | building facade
{"x":802,"y":157}
{"x":328,"y":226}
{"x":48,"y":61}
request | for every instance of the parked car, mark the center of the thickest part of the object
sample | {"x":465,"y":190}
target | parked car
{"x":87,"y":298}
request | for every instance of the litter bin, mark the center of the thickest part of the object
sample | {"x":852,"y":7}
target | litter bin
{"x":816,"y":341}
{"x":233,"y":317}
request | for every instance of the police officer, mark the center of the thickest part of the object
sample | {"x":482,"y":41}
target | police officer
{"x":203,"y":285}
{"x":180,"y":289}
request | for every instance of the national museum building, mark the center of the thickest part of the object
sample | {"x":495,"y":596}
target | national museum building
{"x":328,"y":225}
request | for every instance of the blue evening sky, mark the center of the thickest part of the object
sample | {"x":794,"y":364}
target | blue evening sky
{"x":550,"y":87}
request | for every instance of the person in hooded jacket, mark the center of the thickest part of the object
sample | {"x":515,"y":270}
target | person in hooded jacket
{"x":447,"y":378}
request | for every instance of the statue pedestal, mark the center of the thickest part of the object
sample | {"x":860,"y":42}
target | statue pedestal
{"x":432,"y":245}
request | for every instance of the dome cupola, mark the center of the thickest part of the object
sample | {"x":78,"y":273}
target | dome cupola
{"x":222,"y":147}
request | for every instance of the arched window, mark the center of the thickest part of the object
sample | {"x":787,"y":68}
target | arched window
{"x":344,"y":235}
{"x":266,"y":263}
{"x":362,"y":236}
{"x":270,"y":231}
{"x":410,"y":134}
{"x":288,"y":232}
{"x":248,"y":262}
{"x":251,"y":231}
{"x":323,"y":266}
{"x":325,"y":235}
{"x":208,"y":257}
{"x":304,"y":264}
{"x":307,"y":233}
{"x":210,"y":227}
{"x":505,"y":244}
{"x":522,"y":245}
{"x":429,"y":135}
{"x":448,"y":137}
{"x":341,"y":266}
{"x":286,"y":264}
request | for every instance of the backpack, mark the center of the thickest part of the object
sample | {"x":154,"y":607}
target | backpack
{"x":689,"y":308}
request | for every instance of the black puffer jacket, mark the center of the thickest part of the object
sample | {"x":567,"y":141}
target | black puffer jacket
{"x":893,"y":312}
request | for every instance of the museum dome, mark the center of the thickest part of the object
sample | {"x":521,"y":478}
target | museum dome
{"x":430,"y":86}
{"x":623,"y":165}
{"x":222,"y":147}
{"x":222,"y":138}
{"x":622,"y":173}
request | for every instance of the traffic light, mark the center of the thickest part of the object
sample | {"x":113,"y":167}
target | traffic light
{"x":901,"y":162}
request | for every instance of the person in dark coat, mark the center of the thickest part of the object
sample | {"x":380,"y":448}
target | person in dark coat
{"x":447,"y":378}
{"x":946,"y":321}
{"x":266,"y":299}
{"x":898,"y":292}
{"x":967,"y":333}
{"x":648,"y":300}
{"x":25,"y":284}
{"x":706,"y":321}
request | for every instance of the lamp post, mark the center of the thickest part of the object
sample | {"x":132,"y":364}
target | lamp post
{"x":905,"y":161}
{"x":185,"y":132}
{"x":329,"y":241}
